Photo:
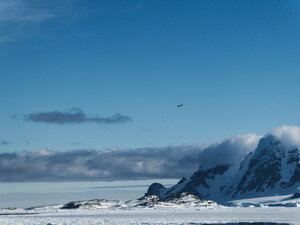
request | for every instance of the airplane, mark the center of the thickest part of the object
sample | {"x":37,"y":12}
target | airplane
{"x":180,"y":105}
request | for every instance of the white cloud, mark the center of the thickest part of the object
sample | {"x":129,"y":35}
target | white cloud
{"x":230,"y":151}
{"x":288,"y":135}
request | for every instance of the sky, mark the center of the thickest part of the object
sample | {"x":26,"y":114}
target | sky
{"x":98,"y":75}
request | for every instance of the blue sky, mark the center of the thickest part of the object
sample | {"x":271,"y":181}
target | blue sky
{"x":233,"y":64}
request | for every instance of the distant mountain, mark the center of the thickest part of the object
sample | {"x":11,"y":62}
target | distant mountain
{"x":95,"y":203}
{"x":182,"y":200}
{"x":272,"y":168}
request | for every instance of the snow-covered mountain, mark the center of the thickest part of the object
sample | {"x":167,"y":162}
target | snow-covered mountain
{"x":273,"y":167}
{"x":183,"y":200}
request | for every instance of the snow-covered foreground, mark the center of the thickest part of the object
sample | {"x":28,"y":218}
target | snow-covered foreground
{"x":270,"y":201}
{"x":183,"y":209}
{"x":160,"y":215}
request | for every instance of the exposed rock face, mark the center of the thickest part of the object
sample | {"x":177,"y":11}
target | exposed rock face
{"x":98,"y":203}
{"x":270,"y":167}
{"x":148,"y":201}
{"x":296,"y":176}
{"x":201,"y":177}
{"x":179,"y":199}
{"x":296,"y":195}
{"x":264,"y":168}
{"x":154,"y":189}
{"x":294,"y":159}
{"x":293,"y":156}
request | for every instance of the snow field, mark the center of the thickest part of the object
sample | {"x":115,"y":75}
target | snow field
{"x":161,"y":216}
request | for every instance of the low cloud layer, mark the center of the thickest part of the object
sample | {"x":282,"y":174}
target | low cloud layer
{"x":98,"y":165}
{"x":133,"y":164}
{"x":75,"y":116}
{"x":122,"y":164}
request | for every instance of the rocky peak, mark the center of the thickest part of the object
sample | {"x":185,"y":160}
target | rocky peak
{"x":154,"y":189}
{"x":270,"y":145}
{"x":264,"y":167}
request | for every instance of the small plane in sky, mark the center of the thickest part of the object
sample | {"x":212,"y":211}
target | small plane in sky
{"x":180,"y":105}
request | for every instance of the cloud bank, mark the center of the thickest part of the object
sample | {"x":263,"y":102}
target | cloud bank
{"x":133,"y":164}
{"x":75,"y":116}
{"x":122,"y":164}
{"x":148,"y":163}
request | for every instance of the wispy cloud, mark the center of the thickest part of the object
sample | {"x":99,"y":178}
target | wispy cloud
{"x":122,"y":164}
{"x":17,"y":16}
{"x":24,"y":11}
{"x":74,"y":116}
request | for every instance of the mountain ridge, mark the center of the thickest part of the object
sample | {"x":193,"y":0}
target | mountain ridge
{"x":272,"y":168}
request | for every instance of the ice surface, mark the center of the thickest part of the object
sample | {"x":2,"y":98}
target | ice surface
{"x":186,"y":209}
{"x":151,"y":216}
{"x":269,"y":201}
